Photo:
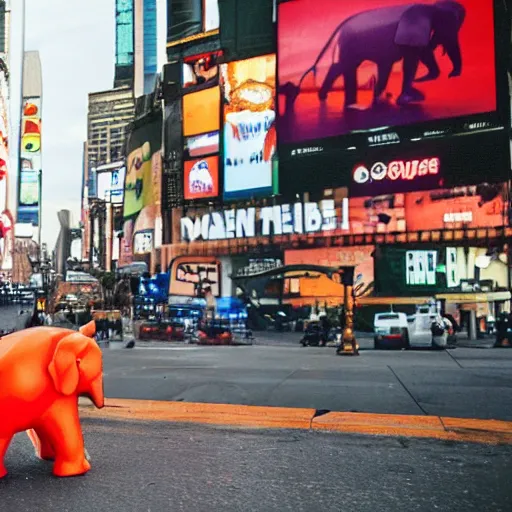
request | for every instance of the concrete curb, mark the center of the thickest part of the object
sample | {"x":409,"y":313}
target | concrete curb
{"x":212,"y":414}
{"x":432,"y":427}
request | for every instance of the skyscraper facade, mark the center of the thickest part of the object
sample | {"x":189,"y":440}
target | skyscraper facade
{"x":124,"y":43}
{"x":29,"y":177}
{"x":6,"y":218}
{"x":150,"y":45}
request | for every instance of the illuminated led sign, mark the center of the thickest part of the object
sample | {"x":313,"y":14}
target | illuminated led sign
{"x":286,"y":219}
{"x":397,"y":170}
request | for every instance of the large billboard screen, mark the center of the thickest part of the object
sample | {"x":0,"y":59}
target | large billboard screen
{"x":352,"y":66}
{"x":401,"y":165}
{"x":201,"y":112}
{"x":201,"y":178}
{"x":109,"y":185}
{"x":202,"y":145}
{"x":249,"y":125}
{"x":307,"y":291}
{"x":185,"y":19}
{"x":201,"y":70}
{"x":190,"y":275}
{"x":142,"y":189}
{"x":402,"y":271}
{"x":478,"y":206}
{"x":29,"y":189}
{"x":376,"y":215}
{"x":30,"y":165}
{"x":191,"y":17}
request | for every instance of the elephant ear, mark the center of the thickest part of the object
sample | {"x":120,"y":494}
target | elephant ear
{"x":89,"y":329}
{"x":64,"y":365}
{"x":415,"y":26}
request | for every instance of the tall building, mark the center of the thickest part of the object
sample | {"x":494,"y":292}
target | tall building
{"x":150,"y":45}
{"x":150,"y":39}
{"x":124,"y":43}
{"x":30,"y":175}
{"x":6,"y":218}
{"x":109,"y":114}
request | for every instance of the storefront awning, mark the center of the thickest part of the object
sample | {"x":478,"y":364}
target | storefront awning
{"x":474,"y":298}
{"x":392,"y":301}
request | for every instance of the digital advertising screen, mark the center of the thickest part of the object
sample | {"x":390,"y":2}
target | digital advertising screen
{"x":201,"y":112}
{"x":361,"y":257}
{"x":143,"y":242}
{"x":29,"y":189}
{"x":201,"y":70}
{"x":185,"y":19}
{"x":30,"y":153}
{"x":376,"y":215}
{"x":422,"y":164}
{"x":201,"y":178}
{"x":477,"y":206}
{"x":211,"y":19}
{"x":110,"y":185}
{"x":191,"y":275}
{"x":202,"y":145}
{"x":142,"y":184}
{"x":354,"y":66}
{"x":250,"y":138}
{"x":401,"y":270}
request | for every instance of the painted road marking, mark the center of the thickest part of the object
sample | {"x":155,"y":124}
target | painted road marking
{"x":434,"y":427}
{"x":166,"y":348}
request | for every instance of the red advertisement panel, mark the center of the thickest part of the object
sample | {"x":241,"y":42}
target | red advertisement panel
{"x":380,"y":214}
{"x":357,"y":65}
{"x":360,"y":257}
{"x":477,"y":206}
{"x":202,"y":178}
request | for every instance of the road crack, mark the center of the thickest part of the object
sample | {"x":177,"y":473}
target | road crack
{"x":408,"y":392}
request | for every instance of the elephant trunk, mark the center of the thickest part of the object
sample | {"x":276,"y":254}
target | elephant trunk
{"x":96,"y":392}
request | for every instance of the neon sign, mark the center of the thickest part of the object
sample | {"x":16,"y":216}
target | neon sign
{"x":397,"y":170}
{"x":285,"y":219}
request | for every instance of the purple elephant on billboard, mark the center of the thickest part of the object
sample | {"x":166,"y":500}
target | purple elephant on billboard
{"x":387,"y":35}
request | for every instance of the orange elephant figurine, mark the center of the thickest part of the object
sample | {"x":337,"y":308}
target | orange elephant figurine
{"x":43,"y":371}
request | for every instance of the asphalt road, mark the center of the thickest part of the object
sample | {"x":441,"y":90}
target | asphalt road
{"x":466,"y":383}
{"x":10,"y":317}
{"x":158,"y":467}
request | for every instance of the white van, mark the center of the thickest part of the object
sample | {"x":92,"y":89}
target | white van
{"x":391,"y":330}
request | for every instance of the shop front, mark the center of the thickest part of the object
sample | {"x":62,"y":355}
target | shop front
{"x":403,"y":245}
{"x":469,"y":283}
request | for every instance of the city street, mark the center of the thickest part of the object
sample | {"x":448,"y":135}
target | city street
{"x":465,"y":382}
{"x":10,"y":317}
{"x":155,"y":467}
{"x":143,"y":462}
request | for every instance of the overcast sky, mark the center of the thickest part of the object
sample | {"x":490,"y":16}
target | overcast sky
{"x":76,"y":44}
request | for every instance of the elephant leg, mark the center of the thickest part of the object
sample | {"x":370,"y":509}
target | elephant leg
{"x":4,"y":444}
{"x":384,"y":70}
{"x":427,"y":57}
{"x":44,"y":449}
{"x":62,"y":430}
{"x":350,"y":77}
{"x":335,"y":71}
{"x":409,"y":94}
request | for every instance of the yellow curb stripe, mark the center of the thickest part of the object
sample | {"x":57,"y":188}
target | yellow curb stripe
{"x":215,"y":414}
{"x":433,"y":427}
{"x":394,"y":425}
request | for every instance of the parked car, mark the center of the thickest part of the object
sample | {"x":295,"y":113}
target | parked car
{"x":391,"y":330}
